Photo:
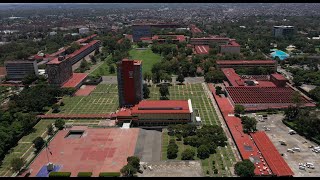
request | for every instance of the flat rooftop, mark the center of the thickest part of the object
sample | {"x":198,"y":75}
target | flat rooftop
{"x":161,"y":106}
{"x":96,"y":150}
{"x":75,"y":80}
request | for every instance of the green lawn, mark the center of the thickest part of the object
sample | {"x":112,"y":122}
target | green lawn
{"x":24,"y":147}
{"x":224,"y":157}
{"x":147,"y":56}
{"x":104,"y":99}
{"x":103,"y":70}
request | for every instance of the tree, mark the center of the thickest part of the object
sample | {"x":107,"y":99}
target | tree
{"x":128,"y":170}
{"x":93,"y":59}
{"x":146,"y":91}
{"x":59,"y":123}
{"x":187,"y":154}
{"x":180,"y":78}
{"x":17,"y":163}
{"x":29,"y":79}
{"x":239,"y":109}
{"x":38,"y":143}
{"x":218,"y":90}
{"x":112,"y":70}
{"x":296,"y":98}
{"x":147,"y":76}
{"x":134,"y":161}
{"x":203,"y":152}
{"x":55,"y":108}
{"x":164,"y":90}
{"x":249,"y":124}
{"x":291,"y":113}
{"x":244,"y":168}
{"x":50,"y":130}
{"x":214,"y":76}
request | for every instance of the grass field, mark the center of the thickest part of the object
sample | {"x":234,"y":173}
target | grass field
{"x":224,"y":156}
{"x":103,"y":100}
{"x":25,"y":147}
{"x":147,"y":56}
{"x":103,"y":70}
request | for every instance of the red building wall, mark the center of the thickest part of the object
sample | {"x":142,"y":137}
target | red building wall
{"x":128,"y":81}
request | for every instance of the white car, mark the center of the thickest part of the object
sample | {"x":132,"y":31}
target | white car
{"x":296,"y":149}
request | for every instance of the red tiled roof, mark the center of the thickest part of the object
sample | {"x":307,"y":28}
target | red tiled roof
{"x":83,"y":48}
{"x":161,"y":106}
{"x":145,"y":39}
{"x":262,"y":95}
{"x":136,"y":62}
{"x":75,"y":80}
{"x":202,"y":49}
{"x":232,"y":76}
{"x":241,"y":139}
{"x":86,"y":39}
{"x":195,"y":29}
{"x":276,"y":163}
{"x":180,"y":38}
{"x":278,"y":77}
{"x":59,"y":52}
{"x":231,"y":43}
{"x":246,"y":62}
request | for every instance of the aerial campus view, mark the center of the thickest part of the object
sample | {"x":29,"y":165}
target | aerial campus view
{"x":159,"y":90}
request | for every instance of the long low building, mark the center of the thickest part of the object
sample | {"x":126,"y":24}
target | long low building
{"x":157,"y":112}
{"x":84,"y":51}
{"x":246,"y":64}
{"x":17,"y":70}
{"x":209,"y":40}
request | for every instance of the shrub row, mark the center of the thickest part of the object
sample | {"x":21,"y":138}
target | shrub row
{"x":60,"y":174}
{"x":84,"y":174}
{"x":109,"y":174}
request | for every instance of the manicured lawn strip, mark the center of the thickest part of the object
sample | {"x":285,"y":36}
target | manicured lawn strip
{"x":147,"y":56}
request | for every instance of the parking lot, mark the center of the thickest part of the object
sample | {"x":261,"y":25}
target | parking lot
{"x":277,"y":131}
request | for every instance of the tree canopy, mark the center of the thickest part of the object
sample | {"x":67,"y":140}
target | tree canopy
{"x":244,"y":168}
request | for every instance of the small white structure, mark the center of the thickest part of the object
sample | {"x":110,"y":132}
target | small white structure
{"x":83,"y":30}
{"x":53,"y":33}
{"x":126,"y":126}
{"x":198,"y":120}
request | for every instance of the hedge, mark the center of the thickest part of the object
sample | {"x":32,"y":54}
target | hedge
{"x":84,"y":174}
{"x":109,"y":174}
{"x":60,"y":174}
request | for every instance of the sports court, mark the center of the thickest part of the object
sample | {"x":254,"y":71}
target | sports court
{"x":83,"y":149}
{"x":85,"y":90}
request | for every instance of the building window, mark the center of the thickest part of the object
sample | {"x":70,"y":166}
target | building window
{"x":130,"y":74}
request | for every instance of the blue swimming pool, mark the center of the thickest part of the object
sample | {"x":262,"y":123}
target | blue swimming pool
{"x":280,"y":54}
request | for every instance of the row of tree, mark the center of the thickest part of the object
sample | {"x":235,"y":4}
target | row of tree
{"x":205,"y":139}
{"x":172,"y":150}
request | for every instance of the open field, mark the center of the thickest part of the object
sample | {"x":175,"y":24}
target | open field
{"x":147,"y":56}
{"x":104,"y":99}
{"x":25,"y":147}
{"x":224,"y":157}
{"x":103,"y":70}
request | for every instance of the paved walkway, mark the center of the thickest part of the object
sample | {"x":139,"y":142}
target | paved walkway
{"x":223,"y":124}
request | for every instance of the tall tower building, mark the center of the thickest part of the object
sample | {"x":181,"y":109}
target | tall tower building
{"x":129,"y":74}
